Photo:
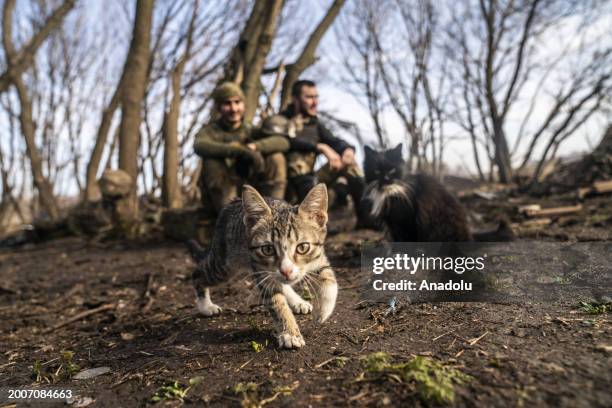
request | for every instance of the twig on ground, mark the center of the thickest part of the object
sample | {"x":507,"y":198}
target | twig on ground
{"x":473,"y":341}
{"x":80,"y":316}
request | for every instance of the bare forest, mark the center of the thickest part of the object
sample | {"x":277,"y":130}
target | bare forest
{"x":507,"y":103}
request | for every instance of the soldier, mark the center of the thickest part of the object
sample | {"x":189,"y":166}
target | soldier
{"x":311,"y":138}
{"x":233,"y":153}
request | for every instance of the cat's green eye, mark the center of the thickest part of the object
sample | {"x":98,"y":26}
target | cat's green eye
{"x":302,"y":248}
{"x":267,"y":250}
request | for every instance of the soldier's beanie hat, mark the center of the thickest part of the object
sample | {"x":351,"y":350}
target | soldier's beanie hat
{"x":227,"y":90}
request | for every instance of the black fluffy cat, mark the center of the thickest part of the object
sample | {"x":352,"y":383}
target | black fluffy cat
{"x":412,"y":207}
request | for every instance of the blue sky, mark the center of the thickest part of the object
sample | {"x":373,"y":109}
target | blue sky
{"x":108,"y":22}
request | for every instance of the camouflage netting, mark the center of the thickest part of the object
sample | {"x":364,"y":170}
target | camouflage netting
{"x":595,"y":166}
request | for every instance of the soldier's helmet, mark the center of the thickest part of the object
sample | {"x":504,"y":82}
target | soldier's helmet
{"x":276,"y":125}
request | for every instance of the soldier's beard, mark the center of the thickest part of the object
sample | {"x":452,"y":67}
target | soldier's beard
{"x":308,"y":112}
{"x":233,"y":120}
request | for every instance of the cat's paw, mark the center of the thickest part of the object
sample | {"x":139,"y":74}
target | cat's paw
{"x":289,"y":341}
{"x":323,"y":313}
{"x":207,"y":308}
{"x":302,"y":308}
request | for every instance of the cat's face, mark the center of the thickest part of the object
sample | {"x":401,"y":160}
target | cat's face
{"x":383,"y":167}
{"x":286,"y":242}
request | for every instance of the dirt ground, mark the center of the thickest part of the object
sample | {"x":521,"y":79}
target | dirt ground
{"x":143,"y":326}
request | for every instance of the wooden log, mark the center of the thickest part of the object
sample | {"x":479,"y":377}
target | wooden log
{"x":598,"y":187}
{"x":549,"y":212}
{"x":524,"y":209}
{"x":537,"y":223}
{"x":601,"y":187}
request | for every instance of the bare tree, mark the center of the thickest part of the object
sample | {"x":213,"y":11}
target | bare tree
{"x":248,"y":57}
{"x":23,"y":59}
{"x":359,"y":24}
{"x":134,"y":84}
{"x":8,"y":170}
{"x":496,"y":48}
{"x":171,"y":193}
{"x":17,"y":62}
{"x":387,"y":58}
{"x":307,"y":56}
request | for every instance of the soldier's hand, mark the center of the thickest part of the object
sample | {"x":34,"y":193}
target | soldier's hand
{"x":255,"y":160}
{"x":348,"y":156}
{"x":333,"y":158}
{"x":259,"y":164}
{"x":252,"y":146}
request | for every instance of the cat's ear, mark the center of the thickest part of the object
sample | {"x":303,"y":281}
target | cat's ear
{"x":368,"y":151}
{"x":396,"y":152}
{"x":314,"y":205}
{"x":254,"y":205}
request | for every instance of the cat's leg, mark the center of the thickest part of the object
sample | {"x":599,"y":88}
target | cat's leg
{"x":205,"y":304}
{"x":297,"y":304}
{"x":288,"y":332}
{"x":328,"y":292}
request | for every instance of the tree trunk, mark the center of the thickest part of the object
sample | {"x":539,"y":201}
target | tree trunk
{"x":253,"y":70}
{"x":20,"y":62}
{"x":307,"y":58}
{"x":92,"y":191}
{"x":502,"y":154}
{"x":42,"y":184}
{"x":135,"y":75}
{"x":171,"y":192}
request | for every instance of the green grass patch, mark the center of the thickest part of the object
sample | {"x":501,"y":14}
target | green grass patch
{"x":434,"y":381}
{"x":595,"y":308}
{"x":250,"y":398}
{"x":174,"y":390}
{"x":258,"y":347}
{"x":57,"y":369}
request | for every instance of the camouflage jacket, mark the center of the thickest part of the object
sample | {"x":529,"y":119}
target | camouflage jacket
{"x":311,"y":133}
{"x":216,"y":140}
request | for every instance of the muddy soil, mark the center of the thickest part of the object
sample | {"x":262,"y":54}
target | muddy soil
{"x":143,"y":326}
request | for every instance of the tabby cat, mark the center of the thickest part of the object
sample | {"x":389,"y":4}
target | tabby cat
{"x":411,"y":207}
{"x":278,"y":245}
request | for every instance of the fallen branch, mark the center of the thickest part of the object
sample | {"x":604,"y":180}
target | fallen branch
{"x":472,"y":342}
{"x":598,"y":187}
{"x":80,"y":316}
{"x":536,"y":211}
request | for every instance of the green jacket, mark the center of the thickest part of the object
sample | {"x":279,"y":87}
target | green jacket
{"x":216,"y":140}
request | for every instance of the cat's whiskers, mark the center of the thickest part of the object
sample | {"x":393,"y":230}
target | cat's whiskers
{"x":313,"y":285}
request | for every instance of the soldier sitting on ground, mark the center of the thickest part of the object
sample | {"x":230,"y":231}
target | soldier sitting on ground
{"x":234,"y":153}
{"x":310,"y":138}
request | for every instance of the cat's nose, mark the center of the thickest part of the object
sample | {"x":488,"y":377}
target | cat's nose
{"x":286,"y":272}
{"x":286,"y":268}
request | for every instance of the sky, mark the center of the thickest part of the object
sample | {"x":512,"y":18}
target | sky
{"x":327,"y":72}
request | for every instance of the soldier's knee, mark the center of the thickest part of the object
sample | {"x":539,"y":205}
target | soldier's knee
{"x":277,"y":159}
{"x":276,"y":167}
{"x":215,"y":174}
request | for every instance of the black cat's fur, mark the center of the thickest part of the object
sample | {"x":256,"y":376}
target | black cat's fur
{"x":413,"y":207}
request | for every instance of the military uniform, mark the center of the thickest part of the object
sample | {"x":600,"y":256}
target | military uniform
{"x":304,"y":135}
{"x":228,"y":163}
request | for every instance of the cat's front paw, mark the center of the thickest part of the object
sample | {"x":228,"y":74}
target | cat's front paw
{"x":289,"y":341}
{"x":302,"y":308}
{"x":323,"y":313}
{"x":207,"y":308}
